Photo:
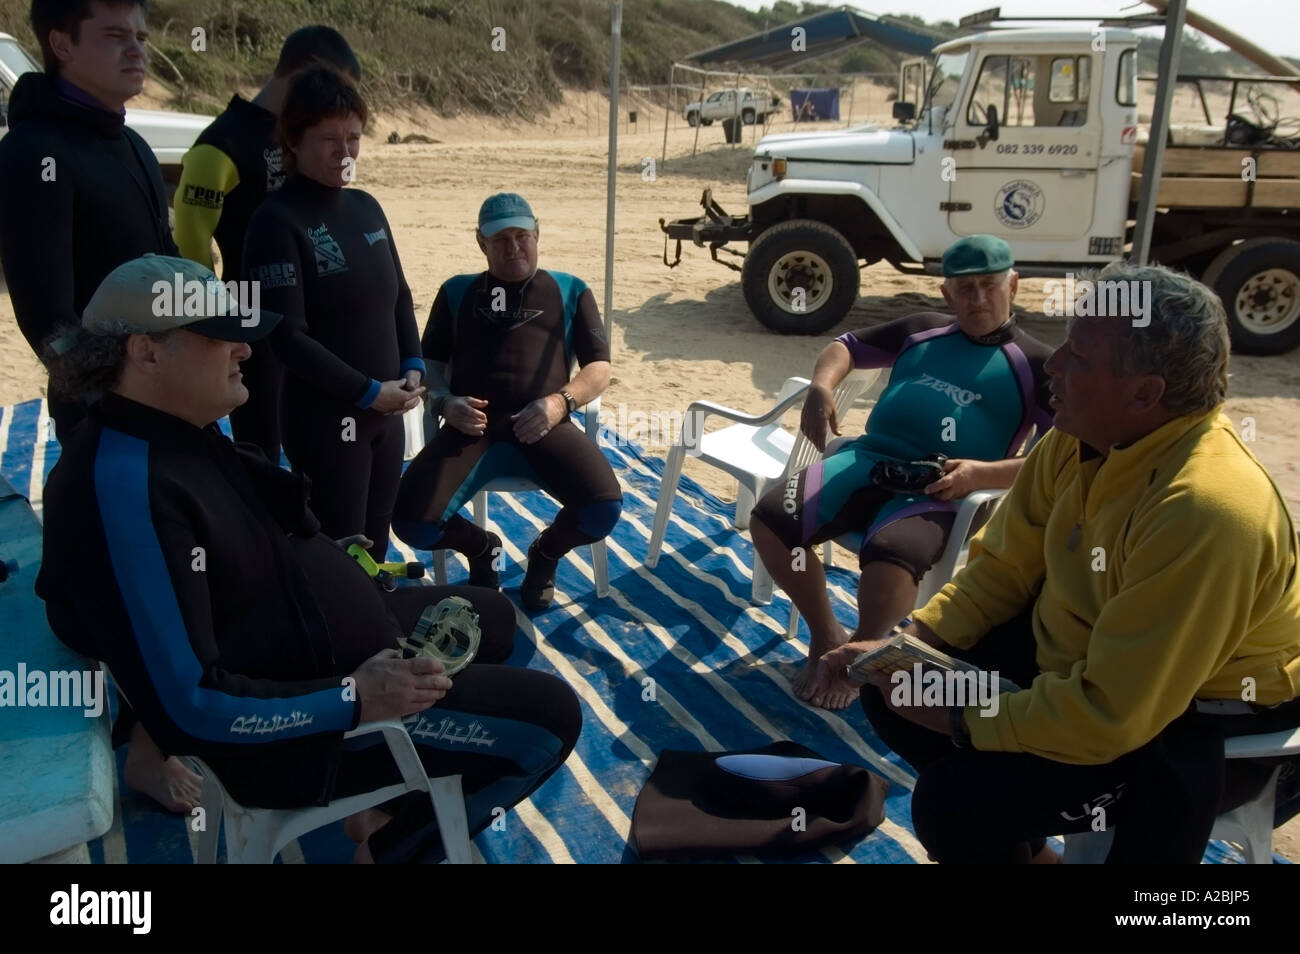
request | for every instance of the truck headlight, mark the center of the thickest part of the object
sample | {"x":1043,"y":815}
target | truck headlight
{"x":778,"y":168}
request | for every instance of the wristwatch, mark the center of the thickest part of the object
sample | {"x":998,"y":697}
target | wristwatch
{"x":569,"y":402}
{"x":957,"y":727}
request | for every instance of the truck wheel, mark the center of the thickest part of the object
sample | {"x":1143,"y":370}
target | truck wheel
{"x":800,"y":277}
{"x":747,"y":117}
{"x":1259,"y":282}
{"x":706,"y":122}
{"x":692,"y":119}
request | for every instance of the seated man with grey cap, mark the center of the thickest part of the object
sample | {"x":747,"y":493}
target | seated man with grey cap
{"x":499,"y":351}
{"x":238,"y":633}
{"x":965,"y":391}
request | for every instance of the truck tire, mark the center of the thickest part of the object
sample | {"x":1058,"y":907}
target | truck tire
{"x":747,"y":117}
{"x":692,"y":119}
{"x":800,"y":254}
{"x":1259,"y":283}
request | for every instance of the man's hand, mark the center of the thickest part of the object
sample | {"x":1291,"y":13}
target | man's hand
{"x":412,"y":380}
{"x":465,"y":414}
{"x":818,"y":413}
{"x":537,"y":418}
{"x":390,"y":687}
{"x":394,"y":398}
{"x":961,"y":477}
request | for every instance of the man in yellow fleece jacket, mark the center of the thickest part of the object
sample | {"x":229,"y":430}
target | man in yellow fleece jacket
{"x":1139,"y":581}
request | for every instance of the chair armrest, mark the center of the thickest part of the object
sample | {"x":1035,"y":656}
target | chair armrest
{"x":699,"y":411}
{"x":1267,"y":745}
{"x":591,"y":419}
{"x":402,"y":748}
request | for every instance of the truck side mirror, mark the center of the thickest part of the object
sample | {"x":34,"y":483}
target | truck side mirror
{"x":904,"y":112}
{"x":991,"y":130}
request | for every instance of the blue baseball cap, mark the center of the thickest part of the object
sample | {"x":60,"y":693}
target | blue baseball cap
{"x":505,"y":210}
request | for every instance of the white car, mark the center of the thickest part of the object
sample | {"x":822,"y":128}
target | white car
{"x":749,"y":105}
{"x":168,"y":134}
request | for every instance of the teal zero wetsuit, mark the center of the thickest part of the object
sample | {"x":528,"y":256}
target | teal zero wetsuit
{"x":948,"y":394}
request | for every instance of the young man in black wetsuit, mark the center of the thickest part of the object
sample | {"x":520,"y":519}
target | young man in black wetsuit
{"x":240,"y":657}
{"x":511,"y":335}
{"x":324,"y":256}
{"x":80,"y":193}
{"x":69,"y":151}
{"x":231,"y":168}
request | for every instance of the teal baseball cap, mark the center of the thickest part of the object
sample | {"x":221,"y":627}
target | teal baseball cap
{"x":977,"y":255}
{"x":505,"y":210}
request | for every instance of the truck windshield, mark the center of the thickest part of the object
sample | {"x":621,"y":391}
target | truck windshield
{"x":16,"y":59}
{"x":948,"y":70}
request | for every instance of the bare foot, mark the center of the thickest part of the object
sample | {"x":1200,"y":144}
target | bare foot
{"x":365,"y":823}
{"x":813,"y":687}
{"x":1046,"y":856}
{"x":167,"y":781}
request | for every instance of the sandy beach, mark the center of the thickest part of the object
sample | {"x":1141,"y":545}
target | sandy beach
{"x":680,"y":334}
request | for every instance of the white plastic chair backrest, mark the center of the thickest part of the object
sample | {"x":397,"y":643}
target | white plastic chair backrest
{"x":855,"y":383}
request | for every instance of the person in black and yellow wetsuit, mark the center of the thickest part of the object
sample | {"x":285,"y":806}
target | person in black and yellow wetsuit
{"x":226,"y":174}
{"x":325,"y":258}
{"x":511,"y":336}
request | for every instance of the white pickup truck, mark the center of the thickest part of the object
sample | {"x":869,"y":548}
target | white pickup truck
{"x":169,"y":135}
{"x":1032,"y":135}
{"x":748,"y":105}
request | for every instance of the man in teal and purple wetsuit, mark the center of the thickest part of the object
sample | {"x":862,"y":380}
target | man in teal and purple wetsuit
{"x":970,"y":388}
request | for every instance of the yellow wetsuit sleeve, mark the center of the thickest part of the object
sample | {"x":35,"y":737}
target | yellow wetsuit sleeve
{"x":207,"y":175}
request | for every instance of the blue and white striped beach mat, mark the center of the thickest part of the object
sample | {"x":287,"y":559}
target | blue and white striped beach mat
{"x":672,"y":658}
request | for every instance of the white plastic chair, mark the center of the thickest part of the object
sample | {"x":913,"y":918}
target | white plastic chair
{"x":417,"y":420}
{"x":257,"y":835}
{"x":755,"y":450}
{"x":1250,"y":825}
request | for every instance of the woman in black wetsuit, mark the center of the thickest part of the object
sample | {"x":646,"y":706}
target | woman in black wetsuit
{"x":324,"y":257}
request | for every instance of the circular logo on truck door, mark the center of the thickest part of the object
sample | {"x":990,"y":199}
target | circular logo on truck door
{"x":1019,"y":204}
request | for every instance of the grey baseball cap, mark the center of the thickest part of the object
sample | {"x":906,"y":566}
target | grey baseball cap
{"x":158,"y":293}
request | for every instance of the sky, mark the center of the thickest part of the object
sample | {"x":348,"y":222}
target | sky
{"x":1272,"y":24}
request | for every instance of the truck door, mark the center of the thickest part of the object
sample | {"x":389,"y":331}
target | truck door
{"x":1038,"y":180}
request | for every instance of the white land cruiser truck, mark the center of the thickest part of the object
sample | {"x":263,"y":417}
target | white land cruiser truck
{"x":748,"y":105}
{"x":1031,"y":135}
{"x":169,"y":135}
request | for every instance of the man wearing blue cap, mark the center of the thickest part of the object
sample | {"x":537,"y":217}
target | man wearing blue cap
{"x":500,"y":348}
{"x":964,"y":393}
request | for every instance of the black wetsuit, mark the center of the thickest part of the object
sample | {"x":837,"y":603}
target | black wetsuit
{"x":227,"y":173}
{"x":510,"y":343}
{"x":80,"y":193}
{"x":194,"y":568}
{"x":325,"y":258}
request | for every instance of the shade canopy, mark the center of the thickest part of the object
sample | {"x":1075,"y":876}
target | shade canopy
{"x":827,"y":32}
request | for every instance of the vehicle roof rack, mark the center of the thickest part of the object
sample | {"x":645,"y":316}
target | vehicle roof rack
{"x":993,"y":18}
